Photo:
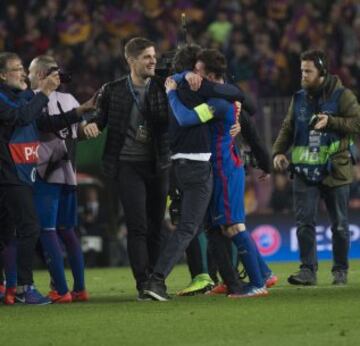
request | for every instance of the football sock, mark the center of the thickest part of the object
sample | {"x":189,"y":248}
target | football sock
{"x":54,"y":259}
{"x":9,"y":260}
{"x":265,"y":270}
{"x":75,"y":256}
{"x":248,"y":255}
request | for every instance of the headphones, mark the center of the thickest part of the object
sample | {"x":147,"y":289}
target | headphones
{"x":321,"y":66}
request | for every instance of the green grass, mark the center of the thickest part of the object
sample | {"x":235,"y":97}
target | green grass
{"x":322,"y":315}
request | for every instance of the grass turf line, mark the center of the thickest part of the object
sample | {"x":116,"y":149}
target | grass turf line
{"x":321,"y":315}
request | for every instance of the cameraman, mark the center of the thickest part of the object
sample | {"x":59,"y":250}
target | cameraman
{"x":321,"y":161}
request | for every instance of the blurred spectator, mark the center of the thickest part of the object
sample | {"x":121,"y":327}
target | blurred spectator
{"x":75,"y":26}
{"x":220,"y":29}
{"x":261,"y":39}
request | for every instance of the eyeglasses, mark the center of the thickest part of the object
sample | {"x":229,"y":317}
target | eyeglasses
{"x":15,"y":69}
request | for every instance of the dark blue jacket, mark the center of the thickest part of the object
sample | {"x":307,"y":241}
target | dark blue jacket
{"x":21,"y":115}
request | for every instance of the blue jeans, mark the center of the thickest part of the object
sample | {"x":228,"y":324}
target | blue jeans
{"x":306,"y":201}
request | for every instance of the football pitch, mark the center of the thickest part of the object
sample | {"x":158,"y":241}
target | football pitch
{"x":322,"y":315}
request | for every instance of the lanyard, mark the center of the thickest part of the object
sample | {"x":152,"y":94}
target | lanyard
{"x":135,"y":96}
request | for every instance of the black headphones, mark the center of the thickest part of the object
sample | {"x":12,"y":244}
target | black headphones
{"x":321,"y":66}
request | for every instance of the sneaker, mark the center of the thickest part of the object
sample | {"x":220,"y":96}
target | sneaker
{"x":218,"y":289}
{"x":250,"y":291}
{"x":143,"y":297}
{"x":60,"y":298}
{"x":80,"y":296}
{"x":340,"y":277}
{"x":10,"y":294}
{"x":157,"y":290}
{"x":31,"y":295}
{"x":201,"y":283}
{"x":271,"y":280}
{"x":304,"y":276}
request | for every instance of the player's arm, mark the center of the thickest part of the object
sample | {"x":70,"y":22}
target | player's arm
{"x":179,"y":77}
{"x":188,"y":117}
{"x":207,"y":90}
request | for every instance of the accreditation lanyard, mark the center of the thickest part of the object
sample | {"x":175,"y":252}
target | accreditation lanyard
{"x":136,"y":97}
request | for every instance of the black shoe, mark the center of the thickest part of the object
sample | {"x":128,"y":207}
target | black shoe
{"x":143,"y":297}
{"x":157,"y":290}
{"x":304,"y":276}
{"x":340,"y":277}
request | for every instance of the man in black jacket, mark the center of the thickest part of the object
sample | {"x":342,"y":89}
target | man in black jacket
{"x":20,"y":118}
{"x":137,"y":157}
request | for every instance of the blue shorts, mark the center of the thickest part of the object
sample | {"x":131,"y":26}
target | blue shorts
{"x":227,"y":201}
{"x":56,"y":205}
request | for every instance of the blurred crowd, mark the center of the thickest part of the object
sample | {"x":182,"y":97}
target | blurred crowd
{"x":261,"y":39}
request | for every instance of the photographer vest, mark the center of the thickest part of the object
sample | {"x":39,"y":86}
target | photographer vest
{"x":313,"y":149}
{"x":23,"y":145}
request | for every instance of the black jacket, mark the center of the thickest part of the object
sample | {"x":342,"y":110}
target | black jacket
{"x":114,"y":109}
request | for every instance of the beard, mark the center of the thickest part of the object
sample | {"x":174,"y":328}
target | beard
{"x":313,"y":85}
{"x":18,"y":85}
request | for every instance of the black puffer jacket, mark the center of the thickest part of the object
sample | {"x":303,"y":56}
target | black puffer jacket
{"x":114,"y":106}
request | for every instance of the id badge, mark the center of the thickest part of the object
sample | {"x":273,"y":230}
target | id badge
{"x":314,"y":141}
{"x":143,"y":134}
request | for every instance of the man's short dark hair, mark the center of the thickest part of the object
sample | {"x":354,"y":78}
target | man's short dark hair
{"x":214,"y":61}
{"x":5,"y":57}
{"x":185,"y":58}
{"x":318,"y":57}
{"x":136,"y":46}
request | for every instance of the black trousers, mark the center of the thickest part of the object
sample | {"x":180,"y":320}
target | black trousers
{"x":196,"y":254}
{"x":18,"y":212}
{"x":195,"y":181}
{"x":306,"y":200}
{"x":221,"y":252}
{"x":143,"y":194}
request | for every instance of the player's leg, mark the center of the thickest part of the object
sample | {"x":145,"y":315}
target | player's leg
{"x":234,"y":227}
{"x":66,"y":223}
{"x":47,"y":198}
{"x":221,"y":250}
